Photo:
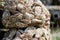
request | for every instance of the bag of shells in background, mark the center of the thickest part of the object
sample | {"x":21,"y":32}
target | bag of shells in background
{"x":30,"y":17}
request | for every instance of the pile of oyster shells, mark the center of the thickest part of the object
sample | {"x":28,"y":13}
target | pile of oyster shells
{"x":29,"y":14}
{"x":30,"y":33}
{"x":34,"y":34}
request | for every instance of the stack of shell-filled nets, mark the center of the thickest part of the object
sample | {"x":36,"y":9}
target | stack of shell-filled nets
{"x":29,"y":15}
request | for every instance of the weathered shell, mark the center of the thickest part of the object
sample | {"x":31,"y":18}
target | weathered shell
{"x":25,"y":36}
{"x":36,"y":21}
{"x":20,"y":16}
{"x":38,"y":11}
{"x":21,"y":25}
{"x":39,"y":33}
{"x":20,"y":6}
{"x":42,"y":38}
{"x":28,"y":16}
{"x":29,"y":2}
{"x":30,"y":30}
{"x":6,"y":14}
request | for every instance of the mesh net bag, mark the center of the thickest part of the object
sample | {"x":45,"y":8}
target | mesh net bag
{"x":29,"y":14}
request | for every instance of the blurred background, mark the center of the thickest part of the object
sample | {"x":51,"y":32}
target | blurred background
{"x":54,"y":8}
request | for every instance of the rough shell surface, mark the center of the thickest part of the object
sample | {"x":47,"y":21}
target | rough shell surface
{"x":30,"y":17}
{"x":23,"y":13}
